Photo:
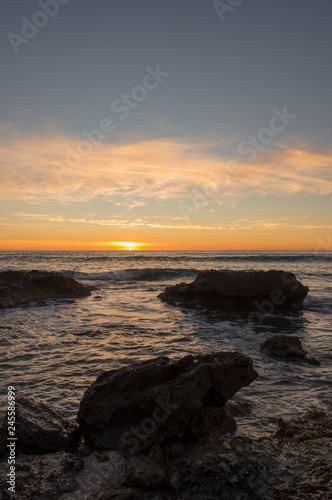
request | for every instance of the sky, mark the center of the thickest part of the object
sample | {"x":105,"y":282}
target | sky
{"x":166,"y":125}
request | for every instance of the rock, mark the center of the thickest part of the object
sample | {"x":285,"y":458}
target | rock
{"x":312,"y":361}
{"x":101,"y":480}
{"x":84,"y":450}
{"x":314,"y":424}
{"x":283,"y":346}
{"x":182,"y":465}
{"x":39,"y":428}
{"x":211,"y":421}
{"x":121,"y":494}
{"x":315,"y":483}
{"x":292,"y":464}
{"x":156,"y":455}
{"x":101,"y":457}
{"x":143,"y":473}
{"x":18,"y":288}
{"x":45,"y":477}
{"x":137,"y":406}
{"x":239,"y":408}
{"x":240,"y":290}
{"x":177,"y":450}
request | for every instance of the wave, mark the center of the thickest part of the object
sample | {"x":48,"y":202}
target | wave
{"x":146,"y":274}
{"x":214,"y":257}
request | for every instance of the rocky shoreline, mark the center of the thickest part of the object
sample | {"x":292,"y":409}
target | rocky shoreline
{"x":166,"y":430}
{"x":163,"y":430}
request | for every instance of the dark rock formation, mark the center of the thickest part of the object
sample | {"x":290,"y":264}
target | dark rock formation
{"x":44,"y":477}
{"x":283,"y":346}
{"x":310,"y":438}
{"x":143,"y":473}
{"x":212,"y":421}
{"x":288,"y":347}
{"x":135,"y":407}
{"x":18,"y":288}
{"x":314,"y":424}
{"x":240,"y":290}
{"x":294,"y":463}
{"x":39,"y":428}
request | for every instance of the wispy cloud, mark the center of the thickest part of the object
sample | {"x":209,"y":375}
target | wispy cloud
{"x":289,"y":223}
{"x":33,"y":169}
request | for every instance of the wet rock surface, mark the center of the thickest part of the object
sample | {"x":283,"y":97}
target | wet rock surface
{"x":239,"y":290}
{"x":39,"y":428}
{"x":293,"y":463}
{"x":41,"y":477}
{"x":140,"y":405}
{"x":283,"y":346}
{"x":287,"y":347}
{"x":19,"y":288}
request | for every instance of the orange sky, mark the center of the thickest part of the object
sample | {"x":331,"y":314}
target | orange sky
{"x":163,"y":193}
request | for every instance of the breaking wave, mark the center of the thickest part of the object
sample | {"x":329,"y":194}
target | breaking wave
{"x":146,"y":274}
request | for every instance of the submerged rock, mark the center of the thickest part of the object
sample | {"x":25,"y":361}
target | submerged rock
{"x":18,"y":288}
{"x":283,"y":346}
{"x":135,"y":407}
{"x":39,"y":428}
{"x":287,"y":347}
{"x":240,"y":290}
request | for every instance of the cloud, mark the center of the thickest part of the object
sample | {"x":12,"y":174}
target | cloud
{"x":289,"y":223}
{"x":34,"y":170}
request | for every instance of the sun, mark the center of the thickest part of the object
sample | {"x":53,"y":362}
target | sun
{"x":126,"y":245}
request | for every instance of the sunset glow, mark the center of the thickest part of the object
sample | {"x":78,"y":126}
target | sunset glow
{"x":126,"y":245}
{"x":160,"y":148}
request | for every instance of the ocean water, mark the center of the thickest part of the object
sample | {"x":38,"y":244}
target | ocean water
{"x":53,"y":350}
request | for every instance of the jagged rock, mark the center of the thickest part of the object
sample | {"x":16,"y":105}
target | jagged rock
{"x":315,"y":483}
{"x":156,"y":454}
{"x":39,"y":428}
{"x":294,"y":463}
{"x":143,"y":473}
{"x":314,"y":424}
{"x":44,"y":477}
{"x":239,"y":408}
{"x":283,"y":346}
{"x":212,"y":420}
{"x":102,"y":480}
{"x":18,"y":288}
{"x":135,"y":407}
{"x":265,"y":291}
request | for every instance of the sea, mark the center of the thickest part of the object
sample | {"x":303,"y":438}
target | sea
{"x":54,"y":349}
